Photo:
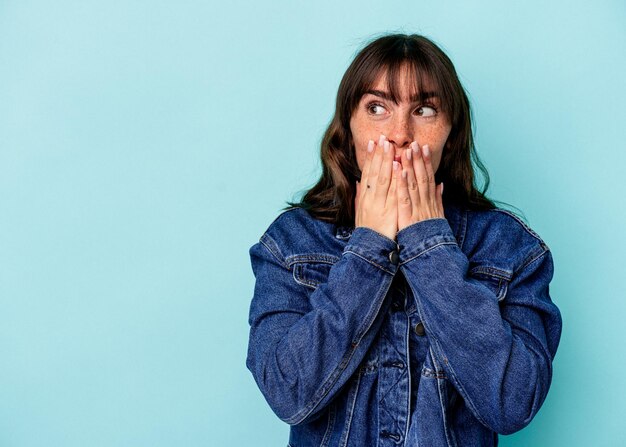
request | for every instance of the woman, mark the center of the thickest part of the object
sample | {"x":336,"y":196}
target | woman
{"x":385,"y":311}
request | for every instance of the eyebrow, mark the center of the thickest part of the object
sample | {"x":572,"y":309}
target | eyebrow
{"x":414,"y":98}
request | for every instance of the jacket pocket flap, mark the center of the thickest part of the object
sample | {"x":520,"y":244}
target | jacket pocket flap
{"x":311,"y":273}
{"x":495,"y":279}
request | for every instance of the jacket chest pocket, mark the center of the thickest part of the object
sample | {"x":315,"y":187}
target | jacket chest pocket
{"x":495,"y":279}
{"x":312,"y":270}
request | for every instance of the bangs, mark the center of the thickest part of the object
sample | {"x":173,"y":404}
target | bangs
{"x":421,"y":84}
{"x":428,"y":75}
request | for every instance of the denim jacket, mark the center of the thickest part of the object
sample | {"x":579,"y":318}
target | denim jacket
{"x":445,"y":337}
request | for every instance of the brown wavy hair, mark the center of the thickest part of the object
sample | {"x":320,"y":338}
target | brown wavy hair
{"x":331,"y":199}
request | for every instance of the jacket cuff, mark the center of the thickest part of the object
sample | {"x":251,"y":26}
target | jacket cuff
{"x":420,"y":236}
{"x":375,"y":248}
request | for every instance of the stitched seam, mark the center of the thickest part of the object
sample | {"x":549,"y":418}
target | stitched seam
{"x":304,"y":281}
{"x":503,"y":282}
{"x":407,"y":341}
{"x":312,"y":257}
{"x":443,"y":397}
{"x":319,"y":396}
{"x":427,"y":372}
{"x":492,"y":271}
{"x":370,"y":261}
{"x":300,"y":279}
{"x":344,"y":440}
{"x":272,"y":247}
{"x":503,"y":288}
{"x":521,"y":222}
{"x":530,"y":261}
{"x":329,"y":427}
{"x":406,"y":228}
{"x":281,"y":214}
{"x":382,"y":235}
{"x":298,"y":267}
{"x":427,"y":249}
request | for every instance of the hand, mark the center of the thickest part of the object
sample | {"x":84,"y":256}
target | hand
{"x":376,"y":201}
{"x":418,"y":197}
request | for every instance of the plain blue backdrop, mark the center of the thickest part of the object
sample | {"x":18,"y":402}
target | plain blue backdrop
{"x":146,"y":145}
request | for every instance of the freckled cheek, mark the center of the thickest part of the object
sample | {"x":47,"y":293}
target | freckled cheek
{"x":361,"y":136}
{"x":359,"y":150}
{"x":436,"y":140}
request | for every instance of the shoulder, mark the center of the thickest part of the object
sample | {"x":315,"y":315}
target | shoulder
{"x":502,"y":237}
{"x":295,"y":234}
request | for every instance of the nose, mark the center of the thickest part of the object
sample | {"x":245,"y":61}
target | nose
{"x":400,"y":133}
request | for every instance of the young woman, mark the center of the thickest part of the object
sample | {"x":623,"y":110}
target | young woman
{"x":387,"y":312}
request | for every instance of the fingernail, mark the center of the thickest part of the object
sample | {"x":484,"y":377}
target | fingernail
{"x":415,"y":147}
{"x":381,"y":139}
{"x":386,"y":146}
{"x":404,"y":174}
{"x":370,"y":145}
{"x":409,"y":153}
{"x":441,"y":188}
{"x":426,"y":150}
{"x":395,"y":165}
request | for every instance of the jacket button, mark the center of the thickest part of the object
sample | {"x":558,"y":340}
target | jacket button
{"x":394,"y":258}
{"x":419,"y":329}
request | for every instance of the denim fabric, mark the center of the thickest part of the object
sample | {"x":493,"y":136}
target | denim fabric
{"x":443,"y":338}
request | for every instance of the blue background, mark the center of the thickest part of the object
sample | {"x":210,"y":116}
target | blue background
{"x":146,"y":145}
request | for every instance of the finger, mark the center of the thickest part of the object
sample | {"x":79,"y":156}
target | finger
{"x":374,"y":170}
{"x":404,"y":199}
{"x":368,"y":161}
{"x":410,"y":175}
{"x":385,"y":173}
{"x":405,"y":206}
{"x":374,"y":145}
{"x":381,"y":140}
{"x":392,"y":198}
{"x":430,"y":173}
{"x":421,"y":176}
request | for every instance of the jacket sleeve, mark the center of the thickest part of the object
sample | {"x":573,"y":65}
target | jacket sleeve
{"x":498,"y":355}
{"x":304,"y":345}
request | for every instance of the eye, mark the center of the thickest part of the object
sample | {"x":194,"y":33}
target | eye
{"x":372,"y":108}
{"x":426,"y":111}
